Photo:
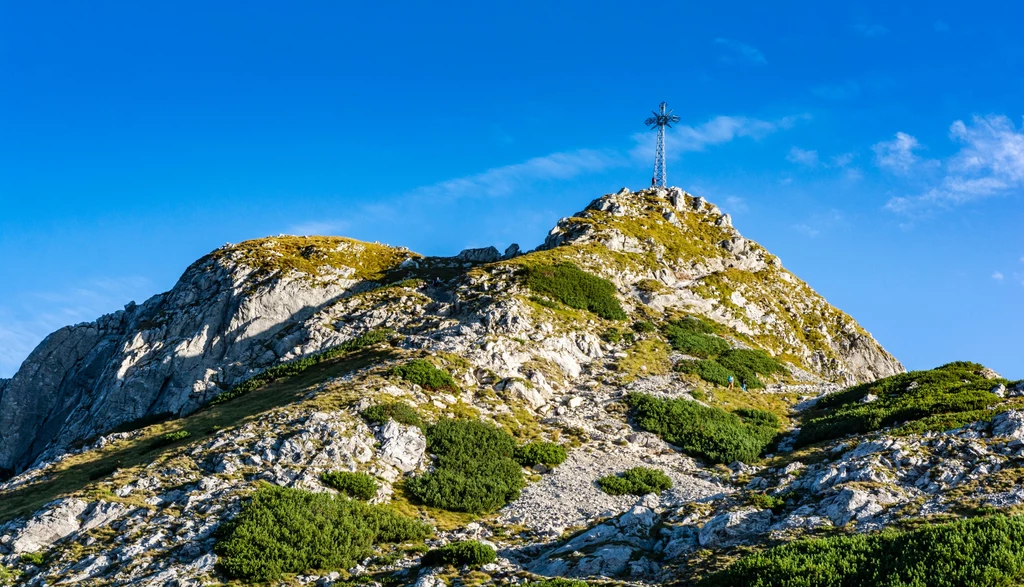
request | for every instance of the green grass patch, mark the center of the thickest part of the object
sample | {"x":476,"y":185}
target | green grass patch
{"x":978,"y":551}
{"x":423,"y":373}
{"x":465,"y":553}
{"x":540,"y":453}
{"x":575,"y":288}
{"x":282,"y":530}
{"x":937,"y":399}
{"x":475,"y":470}
{"x":710,"y":433}
{"x":636,"y":481}
{"x":357,"y":485}
{"x":299,"y":365}
{"x":400,"y":412}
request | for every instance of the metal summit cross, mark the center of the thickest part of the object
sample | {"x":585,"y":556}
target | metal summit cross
{"x":660,"y":121}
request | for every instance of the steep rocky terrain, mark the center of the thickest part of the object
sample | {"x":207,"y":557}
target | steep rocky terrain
{"x":133,"y":441}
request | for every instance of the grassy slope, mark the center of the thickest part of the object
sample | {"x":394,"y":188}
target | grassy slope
{"x":82,"y":473}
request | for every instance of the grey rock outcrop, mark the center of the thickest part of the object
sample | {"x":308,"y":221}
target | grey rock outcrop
{"x":481,"y":255}
{"x":223,"y":321}
{"x":402,"y":446}
{"x":734,"y":528}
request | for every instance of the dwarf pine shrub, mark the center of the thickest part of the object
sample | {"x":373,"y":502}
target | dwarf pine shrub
{"x":171,"y":438}
{"x":400,"y":412}
{"x":357,"y":485}
{"x":423,"y":373}
{"x":637,"y":481}
{"x":282,"y":530}
{"x":540,"y":453}
{"x":696,"y":337}
{"x":465,"y":553}
{"x":575,"y":288}
{"x":475,"y":470}
{"x":977,"y":551}
{"x":706,"y":432}
{"x":938,"y":399}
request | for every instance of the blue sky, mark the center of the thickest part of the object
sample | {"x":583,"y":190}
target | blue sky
{"x":878,"y":150}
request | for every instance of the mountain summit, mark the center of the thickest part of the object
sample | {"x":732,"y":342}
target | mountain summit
{"x":647,"y":398}
{"x":250,"y":306}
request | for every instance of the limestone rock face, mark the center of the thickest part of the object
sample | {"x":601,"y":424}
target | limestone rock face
{"x":226,"y":318}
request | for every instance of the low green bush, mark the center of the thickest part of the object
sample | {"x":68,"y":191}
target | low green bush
{"x":466,"y":553}
{"x":747,"y":364}
{"x":32,"y":558}
{"x":697,"y":337}
{"x":400,"y":412}
{"x":169,"y":438}
{"x":475,"y":470}
{"x":706,"y":432}
{"x":977,"y":551}
{"x":612,"y":335}
{"x":707,"y":369}
{"x":282,"y":530}
{"x":423,"y":373}
{"x":699,"y":345}
{"x":637,"y":481}
{"x":357,"y":485}
{"x":558,"y":583}
{"x":766,"y":502}
{"x":644,"y":327}
{"x":576,"y":288}
{"x":299,"y":365}
{"x":540,"y":453}
{"x":948,"y":396}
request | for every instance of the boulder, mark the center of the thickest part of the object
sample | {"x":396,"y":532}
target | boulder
{"x":734,"y":527}
{"x":482,"y":255}
{"x":402,"y":446}
{"x":512,"y":251}
{"x":1009,"y":424}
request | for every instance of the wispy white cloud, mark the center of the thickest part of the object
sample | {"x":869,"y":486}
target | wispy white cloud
{"x":506,"y":180}
{"x":998,"y":276}
{"x":990,"y":162}
{"x":717,"y":131}
{"x":740,"y":52}
{"x":898,"y":155}
{"x":869,"y":30}
{"x":805,"y":157}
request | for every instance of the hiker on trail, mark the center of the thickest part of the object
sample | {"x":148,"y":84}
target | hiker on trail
{"x":654,"y":181}
{"x":730,"y":382}
{"x":743,"y":384}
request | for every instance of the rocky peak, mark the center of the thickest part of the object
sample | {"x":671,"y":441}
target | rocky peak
{"x":249,"y":306}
